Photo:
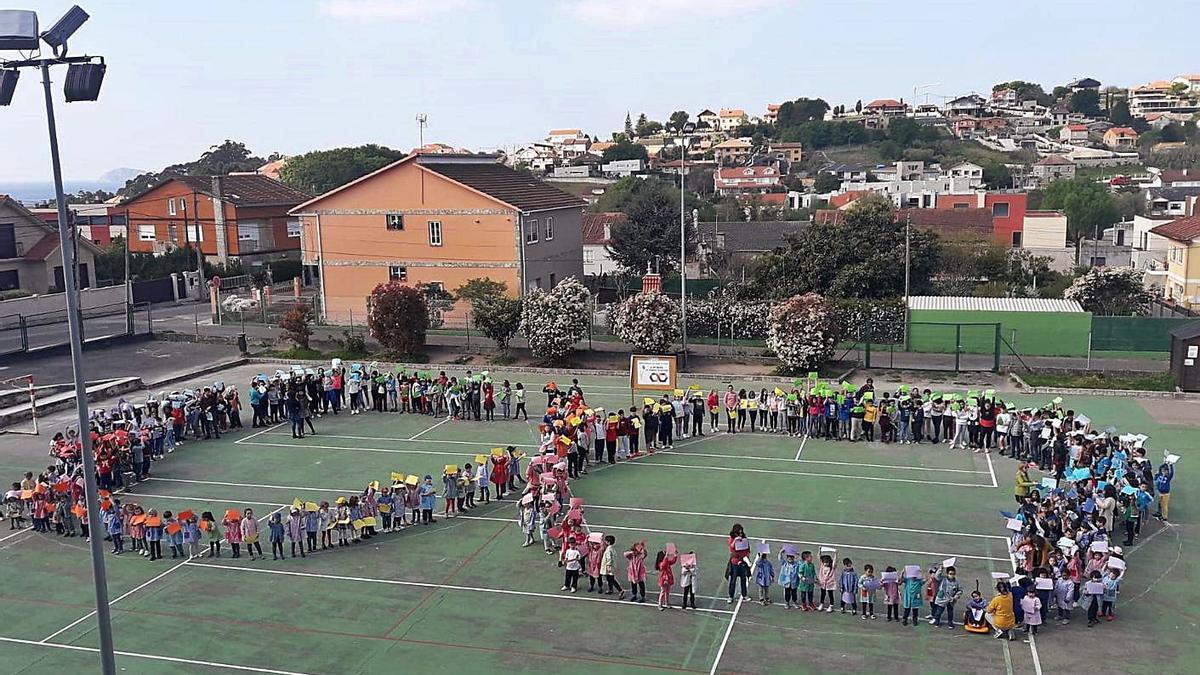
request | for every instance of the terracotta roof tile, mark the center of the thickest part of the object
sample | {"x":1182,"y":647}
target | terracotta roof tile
{"x":43,"y":248}
{"x":593,"y":226}
{"x":1183,"y":229}
{"x":507,"y":185}
{"x":246,"y":190}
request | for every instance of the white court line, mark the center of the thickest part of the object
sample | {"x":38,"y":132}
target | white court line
{"x":991,"y":470}
{"x":685,"y":443}
{"x":258,"y":433}
{"x":210,"y":499}
{"x":803,"y":440}
{"x":724,"y":516}
{"x":805,"y":473}
{"x":719,"y":535}
{"x":154,"y":657}
{"x":23,"y":530}
{"x":445,"y":587}
{"x":1037,"y":662}
{"x":422,"y":433}
{"x":135,"y":589}
{"x":725,"y":640}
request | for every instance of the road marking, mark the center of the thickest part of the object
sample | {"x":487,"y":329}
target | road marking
{"x":154,"y":657}
{"x":725,"y":640}
{"x":447,"y":587}
{"x":801,"y":449}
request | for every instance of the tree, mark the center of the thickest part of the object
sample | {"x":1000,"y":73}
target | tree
{"x":478,"y":289}
{"x":650,"y":128}
{"x":1116,"y":291}
{"x":218,"y":160}
{"x":861,"y":256}
{"x":647,"y":321}
{"x":996,"y":175}
{"x":1172,"y":133}
{"x":1088,"y":205}
{"x":398,"y":318}
{"x":1085,"y":102}
{"x":1119,"y":115}
{"x":826,"y":182}
{"x":498,"y":317}
{"x":858,"y":106}
{"x":554,"y":321}
{"x":642,"y":120}
{"x":800,"y":111}
{"x":438,"y":301}
{"x":678,"y":119}
{"x":801,"y":332}
{"x":296,"y":324}
{"x":625,"y":149}
{"x":320,"y":171}
{"x":650,"y":234}
{"x":628,"y":126}
{"x":1026,"y":91}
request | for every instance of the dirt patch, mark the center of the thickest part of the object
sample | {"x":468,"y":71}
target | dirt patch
{"x":1165,"y":411}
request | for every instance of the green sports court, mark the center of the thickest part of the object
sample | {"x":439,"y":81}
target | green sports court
{"x":463,"y":596}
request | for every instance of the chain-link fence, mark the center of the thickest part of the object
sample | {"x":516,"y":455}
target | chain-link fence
{"x":1134,"y":333}
{"x":25,"y":332}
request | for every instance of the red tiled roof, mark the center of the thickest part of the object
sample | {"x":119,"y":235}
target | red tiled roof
{"x":838,"y":201}
{"x":956,"y":223}
{"x":43,"y":248}
{"x":884,"y":103}
{"x":1175,"y":175}
{"x":1055,"y":160}
{"x":1077,"y":127}
{"x":1122,"y":131}
{"x":771,"y":198}
{"x":593,"y":225}
{"x":500,"y":182}
{"x":239,"y":190}
{"x":1183,"y":229}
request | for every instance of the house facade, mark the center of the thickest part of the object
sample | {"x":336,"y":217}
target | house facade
{"x":1074,"y":134}
{"x":30,"y":255}
{"x":737,"y":179}
{"x":1052,"y":168}
{"x":885,"y":107}
{"x":238,"y":216}
{"x":441,"y":220}
{"x":1007,"y":209}
{"x":732,"y":151}
{"x":1120,"y":138}
{"x":731,"y":118}
{"x":597,"y":233}
{"x":1183,"y":260}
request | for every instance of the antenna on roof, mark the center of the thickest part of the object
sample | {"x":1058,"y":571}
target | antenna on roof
{"x":421,"y":123}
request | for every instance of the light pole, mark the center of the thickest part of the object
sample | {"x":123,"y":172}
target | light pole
{"x":684,"y":129}
{"x":84,"y":77}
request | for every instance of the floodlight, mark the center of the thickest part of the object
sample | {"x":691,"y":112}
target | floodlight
{"x":83,"y":81}
{"x":18,"y":29}
{"x":8,"y":85}
{"x":688,"y":127}
{"x":70,"y":22}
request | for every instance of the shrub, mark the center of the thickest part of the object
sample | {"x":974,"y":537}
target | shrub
{"x":296,"y":325}
{"x":647,"y":321}
{"x":801,"y":331}
{"x":877,"y":321}
{"x":398,"y":317}
{"x":554,"y":321}
{"x":498,"y":318}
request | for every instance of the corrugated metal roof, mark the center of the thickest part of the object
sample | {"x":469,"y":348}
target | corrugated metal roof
{"x":971,"y":304}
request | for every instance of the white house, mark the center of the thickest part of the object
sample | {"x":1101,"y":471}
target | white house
{"x":1192,"y":82}
{"x":968,"y":170}
{"x":560,"y":136}
{"x":597,"y":233}
{"x":746,"y":179}
{"x":731,"y":118}
{"x":1074,"y":134}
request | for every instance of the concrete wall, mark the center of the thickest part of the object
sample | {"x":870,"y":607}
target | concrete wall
{"x":556,"y":258}
{"x":57,"y":302}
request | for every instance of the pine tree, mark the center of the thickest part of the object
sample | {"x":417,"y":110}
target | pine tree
{"x":629,"y":126}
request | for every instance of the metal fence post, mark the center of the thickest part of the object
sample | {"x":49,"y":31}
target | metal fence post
{"x":957,"y":345}
{"x":867,"y":354}
{"x":24,"y":332}
{"x":82,"y":331}
{"x":129,"y":318}
{"x":996,"y":354}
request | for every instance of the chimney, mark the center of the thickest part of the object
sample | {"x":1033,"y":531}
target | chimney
{"x":607,"y":232}
{"x":651,"y":282}
{"x":219,"y":220}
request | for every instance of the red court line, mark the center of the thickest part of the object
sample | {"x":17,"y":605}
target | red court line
{"x":453,"y":573}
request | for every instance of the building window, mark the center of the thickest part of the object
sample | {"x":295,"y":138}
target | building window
{"x":195,"y":233}
{"x":182,"y":205}
{"x":397,"y":273}
{"x":10,"y":280}
{"x":1000,"y":210}
{"x":549,"y":228}
{"x":146,"y":233}
{"x":958,"y":207}
{"x":589,"y":256}
{"x":435,"y":233}
{"x":553,"y":279}
{"x":8,"y":240}
{"x":1016,"y":239}
{"x":293,"y":229}
{"x":1099,"y":262}
{"x":171,"y":207}
{"x":395,"y":221}
{"x":531,"y":233}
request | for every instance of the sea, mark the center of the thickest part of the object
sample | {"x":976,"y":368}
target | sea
{"x":31,"y":193}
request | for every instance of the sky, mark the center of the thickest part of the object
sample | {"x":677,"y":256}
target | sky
{"x":296,"y":75}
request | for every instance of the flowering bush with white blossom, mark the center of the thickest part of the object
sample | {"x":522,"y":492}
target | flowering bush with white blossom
{"x":648,"y":321}
{"x":802,"y":331}
{"x":553,"y":322}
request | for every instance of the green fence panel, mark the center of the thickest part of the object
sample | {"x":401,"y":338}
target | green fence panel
{"x":1134,"y":333}
{"x":1030,"y":333}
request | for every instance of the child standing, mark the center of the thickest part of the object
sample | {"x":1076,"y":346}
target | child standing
{"x":233,"y":532}
{"x":666,"y":578}
{"x":571,"y":560}
{"x":635,"y":568}
{"x":212,"y":531}
{"x":1031,"y":605}
{"x":948,"y":592}
{"x":428,"y":500}
{"x":1112,"y":586}
{"x":848,"y":584}
{"x":249,"y":527}
{"x":867,"y":588}
{"x":608,"y":566}
{"x":276,"y":536}
{"x":295,"y":532}
{"x":174,"y":535}
{"x":1092,"y":594}
{"x":595,"y":552}
{"x":545,"y":524}
{"x":528,"y":520}
{"x":913,"y":590}
{"x":827,"y":580}
{"x":764,"y":576}
{"x":807,"y":576}
{"x":688,"y":579}
{"x":789,"y":577}
{"x":191,"y":536}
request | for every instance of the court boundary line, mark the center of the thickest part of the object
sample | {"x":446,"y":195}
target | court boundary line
{"x":725,"y":640}
{"x":152,"y":657}
{"x":428,"y":429}
{"x":803,"y":440}
{"x":437,"y":586}
{"x":258,"y":433}
{"x":736,"y":516}
{"x":991,"y":469}
{"x":691,"y":440}
{"x":646,"y":463}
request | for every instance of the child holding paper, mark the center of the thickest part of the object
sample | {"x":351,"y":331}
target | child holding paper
{"x":688,"y":579}
{"x":212,"y":532}
{"x":275,"y":527}
{"x":1112,"y":586}
{"x":233,"y":531}
{"x":173,"y":532}
{"x":867,"y":588}
{"x":764,"y":576}
{"x":848,"y":584}
{"x":595,"y":553}
{"x":635,"y":568}
{"x":789,"y":576}
{"x":807,"y":574}
{"x":1093,"y":589}
{"x":1031,"y":606}
{"x":249,"y":528}
{"x":827,"y":580}
{"x":191,"y":536}
{"x":949,"y":590}
{"x":571,"y":561}
{"x":891,"y":593}
{"x":608,"y":566}
{"x":528,"y":519}
{"x":295,"y":532}
{"x":665,"y":561}
{"x":914,"y":588}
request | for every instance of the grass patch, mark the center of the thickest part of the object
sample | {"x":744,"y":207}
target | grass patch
{"x":300,"y":354}
{"x":1134,"y":381}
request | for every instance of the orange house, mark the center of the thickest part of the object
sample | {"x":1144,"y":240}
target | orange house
{"x":438,"y":219}
{"x":243,"y":216}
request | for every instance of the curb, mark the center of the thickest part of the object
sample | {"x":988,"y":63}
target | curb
{"x":1125,"y":393}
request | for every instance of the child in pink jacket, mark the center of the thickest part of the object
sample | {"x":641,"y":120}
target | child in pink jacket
{"x":635,"y":566}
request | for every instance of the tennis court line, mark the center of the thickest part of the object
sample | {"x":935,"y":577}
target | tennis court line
{"x":940,"y":555}
{"x":85,"y":617}
{"x":258,"y":433}
{"x":725,"y":640}
{"x":665,"y":452}
{"x":428,"y":429}
{"x":729,"y":516}
{"x":153,"y":657}
{"x":992,"y":472}
{"x":445,"y":587}
{"x":803,"y":440}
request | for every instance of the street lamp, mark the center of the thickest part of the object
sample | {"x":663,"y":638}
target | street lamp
{"x":18,"y":31}
{"x":683,"y":129}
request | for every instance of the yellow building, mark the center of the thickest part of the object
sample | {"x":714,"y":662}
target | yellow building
{"x":1183,"y":260}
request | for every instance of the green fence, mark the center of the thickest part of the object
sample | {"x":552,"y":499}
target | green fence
{"x":1029,"y":333}
{"x":1133,"y":333}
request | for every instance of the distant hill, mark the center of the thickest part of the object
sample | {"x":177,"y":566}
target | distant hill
{"x":117,"y":177}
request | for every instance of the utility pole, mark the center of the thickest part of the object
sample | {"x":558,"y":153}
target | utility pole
{"x":907,"y":268}
{"x":128,"y":287}
{"x":421,"y":123}
{"x":199,"y":238}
